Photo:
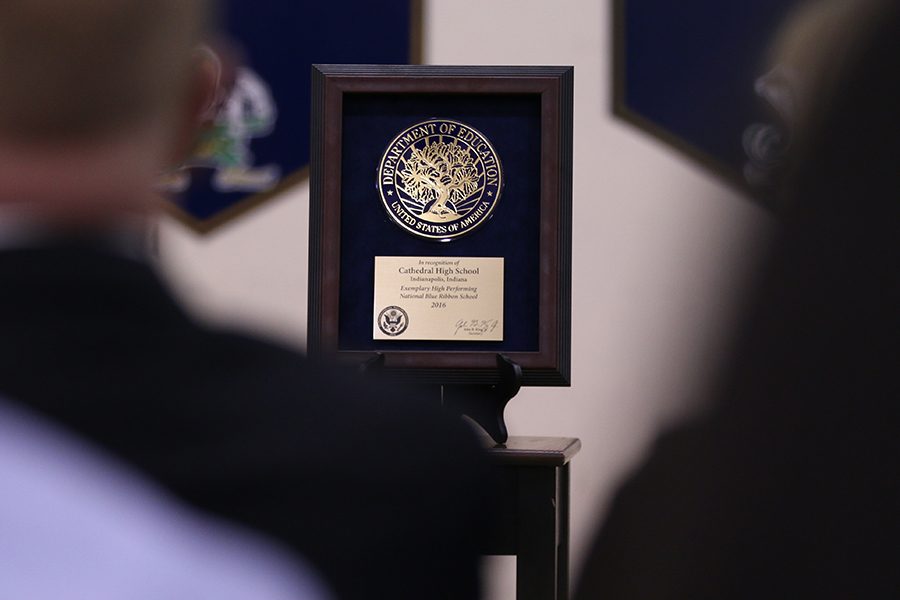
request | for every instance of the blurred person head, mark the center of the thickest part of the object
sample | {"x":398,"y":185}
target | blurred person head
{"x":823,"y":317}
{"x":822,"y":324}
{"x":96,"y":98}
{"x":816,"y":45}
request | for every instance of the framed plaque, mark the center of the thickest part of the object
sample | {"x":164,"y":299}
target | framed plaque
{"x":441,"y":218}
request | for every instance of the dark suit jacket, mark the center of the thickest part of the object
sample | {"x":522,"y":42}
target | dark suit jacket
{"x":378,"y":491}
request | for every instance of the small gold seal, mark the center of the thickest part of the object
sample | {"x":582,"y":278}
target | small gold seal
{"x":440,"y":179}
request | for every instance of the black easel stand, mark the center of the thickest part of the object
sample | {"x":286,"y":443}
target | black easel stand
{"x":484,"y":404}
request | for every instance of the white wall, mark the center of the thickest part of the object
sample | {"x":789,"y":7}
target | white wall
{"x":660,"y":247}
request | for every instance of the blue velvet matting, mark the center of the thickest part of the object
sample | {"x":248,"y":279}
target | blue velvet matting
{"x":513,"y":125}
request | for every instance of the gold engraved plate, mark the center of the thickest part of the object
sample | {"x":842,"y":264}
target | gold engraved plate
{"x":440,"y":179}
{"x":438,"y":298}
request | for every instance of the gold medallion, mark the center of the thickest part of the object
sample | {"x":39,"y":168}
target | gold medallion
{"x":440,"y":179}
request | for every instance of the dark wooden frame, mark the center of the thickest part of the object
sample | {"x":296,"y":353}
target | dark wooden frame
{"x":550,"y":365}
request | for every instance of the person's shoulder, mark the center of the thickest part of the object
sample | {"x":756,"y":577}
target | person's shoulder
{"x":375,"y":411}
{"x":242,"y":360}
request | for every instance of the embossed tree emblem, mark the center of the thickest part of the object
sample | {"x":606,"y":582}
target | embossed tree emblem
{"x":440,"y":177}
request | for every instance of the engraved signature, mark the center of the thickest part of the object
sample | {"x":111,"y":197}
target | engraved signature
{"x":477,"y":326}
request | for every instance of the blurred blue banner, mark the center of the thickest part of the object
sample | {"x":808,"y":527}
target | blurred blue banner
{"x":686,"y":72}
{"x":260,"y":142}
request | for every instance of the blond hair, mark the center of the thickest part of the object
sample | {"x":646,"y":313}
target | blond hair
{"x":71,"y":68}
{"x":821,"y":38}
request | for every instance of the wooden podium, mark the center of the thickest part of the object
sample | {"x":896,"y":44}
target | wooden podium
{"x":533,"y":482}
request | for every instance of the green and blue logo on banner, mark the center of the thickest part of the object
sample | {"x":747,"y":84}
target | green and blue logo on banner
{"x":259,"y":143}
